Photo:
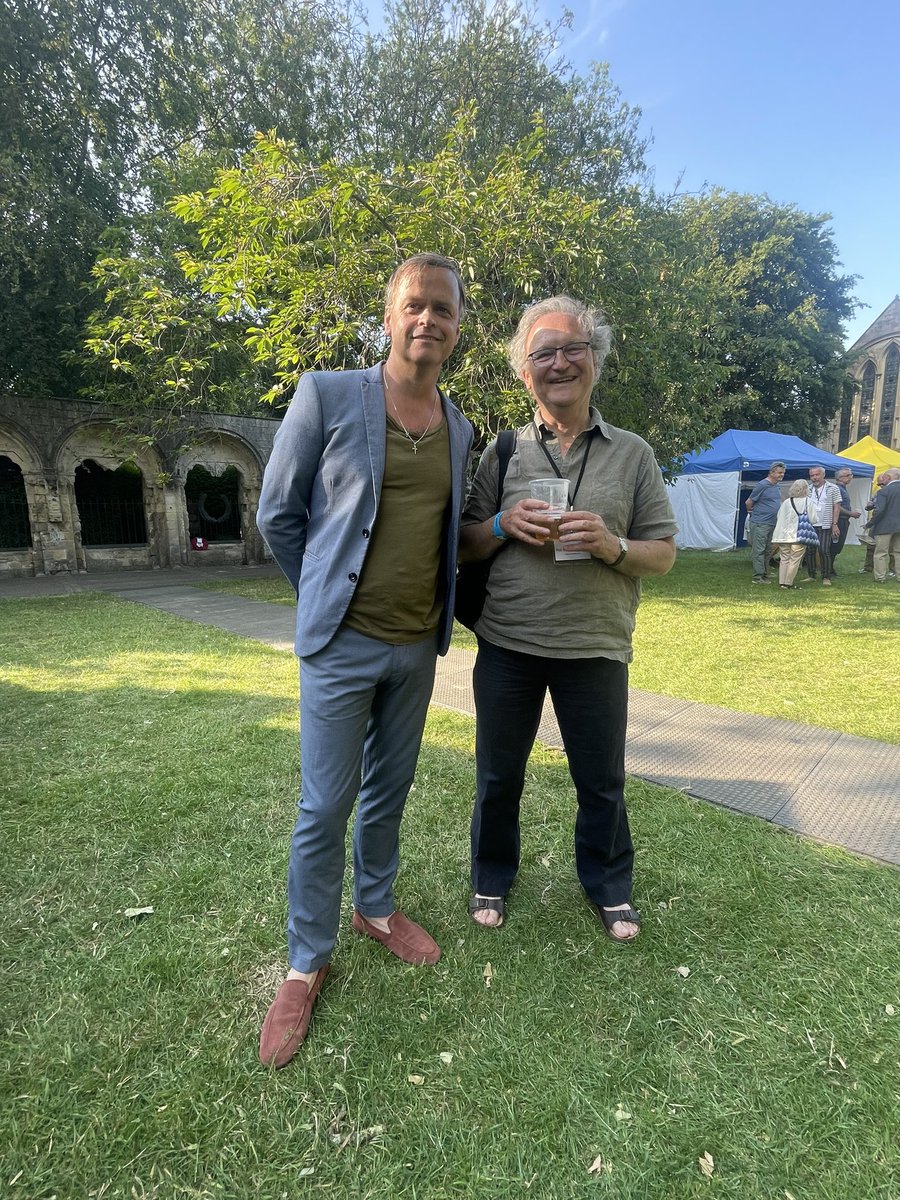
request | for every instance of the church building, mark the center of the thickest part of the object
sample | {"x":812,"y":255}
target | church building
{"x":871,"y":408}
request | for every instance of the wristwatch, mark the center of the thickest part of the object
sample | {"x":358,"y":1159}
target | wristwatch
{"x":623,"y":550}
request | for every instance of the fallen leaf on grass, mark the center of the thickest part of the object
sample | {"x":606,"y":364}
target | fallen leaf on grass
{"x":306,"y":1171}
{"x":488,"y":974}
{"x":366,"y":1135}
{"x":446,"y":1057}
{"x":789,"y":1195}
{"x":622,"y":1113}
{"x":415,"y":1079}
{"x":683,"y":971}
{"x":596,"y":1166}
{"x":706,"y":1164}
{"x":889,"y":1009}
{"x":139,"y":912}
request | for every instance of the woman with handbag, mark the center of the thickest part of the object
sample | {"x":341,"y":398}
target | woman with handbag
{"x":793,"y":532}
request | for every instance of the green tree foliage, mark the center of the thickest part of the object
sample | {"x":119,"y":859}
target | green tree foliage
{"x":98,"y":101}
{"x":727,"y":309}
{"x":288,"y":259}
{"x":435,"y":58}
{"x":103,"y":103}
{"x":783,"y":304}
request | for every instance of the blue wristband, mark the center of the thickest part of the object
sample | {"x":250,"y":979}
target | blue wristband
{"x":497,"y":531}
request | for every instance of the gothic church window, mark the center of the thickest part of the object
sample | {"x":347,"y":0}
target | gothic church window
{"x":865,"y":400}
{"x":889,"y":395}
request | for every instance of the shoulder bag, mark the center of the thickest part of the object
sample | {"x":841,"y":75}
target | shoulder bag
{"x":806,"y":533}
{"x":471,"y":578}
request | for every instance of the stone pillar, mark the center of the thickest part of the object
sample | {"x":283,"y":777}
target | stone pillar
{"x":57,"y":541}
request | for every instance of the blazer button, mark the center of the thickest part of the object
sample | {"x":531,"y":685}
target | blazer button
{"x":365,"y":533}
{"x":353,"y":577}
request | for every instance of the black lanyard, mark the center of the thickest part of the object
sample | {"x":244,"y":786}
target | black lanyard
{"x":556,"y":470}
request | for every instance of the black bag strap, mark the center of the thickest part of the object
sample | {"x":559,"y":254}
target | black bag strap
{"x":506,"y":445}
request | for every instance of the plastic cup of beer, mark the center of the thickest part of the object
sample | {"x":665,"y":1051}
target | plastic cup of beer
{"x":554,"y":492}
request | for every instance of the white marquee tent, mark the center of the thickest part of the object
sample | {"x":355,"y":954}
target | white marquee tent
{"x":708,"y":495}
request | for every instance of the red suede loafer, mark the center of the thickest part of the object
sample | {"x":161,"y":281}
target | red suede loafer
{"x":288,"y":1018}
{"x":409,"y":941}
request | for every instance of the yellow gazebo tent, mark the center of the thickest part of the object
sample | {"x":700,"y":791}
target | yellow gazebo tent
{"x":870,"y":451}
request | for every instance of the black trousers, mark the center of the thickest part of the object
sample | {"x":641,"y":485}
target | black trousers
{"x":820,"y":556}
{"x":838,"y":545}
{"x":590,"y":699}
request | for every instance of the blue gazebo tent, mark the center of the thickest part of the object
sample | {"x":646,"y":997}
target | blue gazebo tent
{"x":709,"y":493}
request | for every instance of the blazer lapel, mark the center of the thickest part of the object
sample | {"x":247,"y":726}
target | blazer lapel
{"x":373,"y":414}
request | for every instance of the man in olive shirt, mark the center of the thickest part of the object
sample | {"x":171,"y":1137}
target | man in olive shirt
{"x":360,"y":506}
{"x":560,"y":610}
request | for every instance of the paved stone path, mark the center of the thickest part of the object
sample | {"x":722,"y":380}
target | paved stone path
{"x":817,"y":782}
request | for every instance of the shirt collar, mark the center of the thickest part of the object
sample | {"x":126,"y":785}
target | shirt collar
{"x":595,"y":422}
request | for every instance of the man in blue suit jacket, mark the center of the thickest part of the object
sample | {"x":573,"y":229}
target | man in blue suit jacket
{"x":360,"y":506}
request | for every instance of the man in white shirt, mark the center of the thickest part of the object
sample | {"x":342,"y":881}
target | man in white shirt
{"x":824,"y":511}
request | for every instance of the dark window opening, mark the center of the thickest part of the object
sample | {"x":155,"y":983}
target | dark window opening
{"x":889,"y":396}
{"x":844,"y":430}
{"x":213,"y":504}
{"x":15,"y":527}
{"x":866,"y":397}
{"x":110,"y":505}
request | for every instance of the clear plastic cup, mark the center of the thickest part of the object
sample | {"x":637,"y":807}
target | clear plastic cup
{"x":554,"y":492}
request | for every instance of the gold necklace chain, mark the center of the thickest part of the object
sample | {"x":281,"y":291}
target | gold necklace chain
{"x":414,"y":442}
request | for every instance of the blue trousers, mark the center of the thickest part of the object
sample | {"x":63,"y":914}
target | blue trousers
{"x":362,"y":711}
{"x":590,"y":699}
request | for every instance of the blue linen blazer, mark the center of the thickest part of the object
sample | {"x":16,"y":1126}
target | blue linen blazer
{"x":320,"y":495}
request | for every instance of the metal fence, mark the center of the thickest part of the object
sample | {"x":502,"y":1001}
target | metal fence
{"x":15,"y":528}
{"x":112,"y":522}
{"x":214,"y":514}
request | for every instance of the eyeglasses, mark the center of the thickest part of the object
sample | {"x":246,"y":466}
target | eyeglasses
{"x":573,"y":352}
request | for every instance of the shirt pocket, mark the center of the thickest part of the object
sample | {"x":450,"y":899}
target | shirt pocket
{"x":609,"y":499}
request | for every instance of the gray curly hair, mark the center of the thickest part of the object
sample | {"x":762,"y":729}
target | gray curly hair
{"x":591,"y":321}
{"x":799,"y":488}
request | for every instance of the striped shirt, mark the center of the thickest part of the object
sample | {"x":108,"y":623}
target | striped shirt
{"x":821,"y":504}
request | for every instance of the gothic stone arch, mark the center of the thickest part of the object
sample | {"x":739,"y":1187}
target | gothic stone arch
{"x":216,"y":450}
{"x":96,"y":441}
{"x":47,"y":538}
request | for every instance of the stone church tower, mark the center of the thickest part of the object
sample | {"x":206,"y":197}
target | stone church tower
{"x":872,"y":407}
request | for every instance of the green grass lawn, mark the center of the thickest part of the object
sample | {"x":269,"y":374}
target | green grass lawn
{"x":151,"y":762}
{"x":704,"y":632}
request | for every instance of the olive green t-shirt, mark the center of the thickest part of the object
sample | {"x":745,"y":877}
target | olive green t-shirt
{"x":577,"y":609}
{"x":398,"y":599}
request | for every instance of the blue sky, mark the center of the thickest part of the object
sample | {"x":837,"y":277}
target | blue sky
{"x":796,"y":99}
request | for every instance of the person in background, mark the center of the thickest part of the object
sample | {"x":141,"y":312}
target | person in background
{"x":784,"y":538}
{"x":763,"y":504}
{"x":560,"y":609}
{"x":842,"y":478}
{"x":886,"y":526}
{"x":824,"y":510}
{"x":866,"y":537}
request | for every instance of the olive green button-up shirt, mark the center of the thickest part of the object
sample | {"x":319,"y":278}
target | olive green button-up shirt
{"x":578,"y":609}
